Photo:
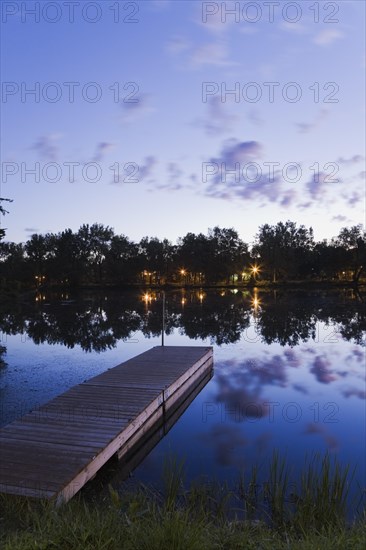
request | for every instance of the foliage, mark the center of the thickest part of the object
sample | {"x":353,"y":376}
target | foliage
{"x":95,"y":255}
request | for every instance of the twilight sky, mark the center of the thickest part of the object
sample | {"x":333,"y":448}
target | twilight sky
{"x":159,"y":117}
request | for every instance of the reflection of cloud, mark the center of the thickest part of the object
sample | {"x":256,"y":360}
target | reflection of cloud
{"x":361,"y":394}
{"x":327,"y":36}
{"x":315,"y":429}
{"x":226,"y":440}
{"x":240,"y":392}
{"x":300,"y":388}
{"x":292,"y":358}
{"x":321,"y":370}
{"x":359,"y":354}
{"x":262,"y":442}
{"x":217,"y":120}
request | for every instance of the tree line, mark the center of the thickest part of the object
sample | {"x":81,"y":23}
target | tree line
{"x":96,"y":255}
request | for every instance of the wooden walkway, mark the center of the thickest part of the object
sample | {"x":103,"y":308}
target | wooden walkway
{"x":54,"y":450}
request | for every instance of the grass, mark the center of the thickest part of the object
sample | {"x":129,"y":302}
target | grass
{"x":207,"y":516}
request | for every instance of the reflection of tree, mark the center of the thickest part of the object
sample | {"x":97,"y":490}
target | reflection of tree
{"x":287,"y":320}
{"x":96,"y":321}
{"x":221,"y":318}
{"x":2,"y":352}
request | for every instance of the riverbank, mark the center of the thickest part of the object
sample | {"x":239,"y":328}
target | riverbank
{"x":137,"y":523}
{"x":204,"y":517}
{"x":249,"y":285}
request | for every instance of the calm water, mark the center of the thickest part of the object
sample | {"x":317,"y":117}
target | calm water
{"x":289,"y":370}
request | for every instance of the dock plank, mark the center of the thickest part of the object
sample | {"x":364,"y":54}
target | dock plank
{"x":52,"y":451}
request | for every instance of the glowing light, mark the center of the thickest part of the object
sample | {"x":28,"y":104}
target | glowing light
{"x":183,"y":301}
{"x":146,"y":297}
{"x":183,"y":272}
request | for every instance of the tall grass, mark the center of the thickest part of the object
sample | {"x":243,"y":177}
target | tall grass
{"x":202,"y":516}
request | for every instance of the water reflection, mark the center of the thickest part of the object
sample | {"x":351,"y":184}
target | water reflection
{"x":289,"y":369}
{"x":96,"y":322}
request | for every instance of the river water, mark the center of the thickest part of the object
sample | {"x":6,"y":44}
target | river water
{"x":289,"y":370}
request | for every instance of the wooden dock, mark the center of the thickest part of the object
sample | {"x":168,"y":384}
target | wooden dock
{"x":54,"y":450}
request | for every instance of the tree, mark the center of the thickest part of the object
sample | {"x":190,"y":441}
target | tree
{"x":3,"y":212}
{"x":39,"y":250}
{"x":230,"y":253}
{"x":282,"y":247}
{"x":67,"y":263}
{"x":95,"y":242}
{"x":122,"y":264}
{"x":156,"y":257}
{"x":196,"y":255}
{"x":353,"y":242}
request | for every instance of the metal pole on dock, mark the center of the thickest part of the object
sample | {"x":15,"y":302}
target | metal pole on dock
{"x":163,"y":326}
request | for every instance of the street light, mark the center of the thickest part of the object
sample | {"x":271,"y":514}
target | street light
{"x":255,"y":270}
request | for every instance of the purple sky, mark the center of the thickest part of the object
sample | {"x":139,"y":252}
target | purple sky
{"x":163,"y":117}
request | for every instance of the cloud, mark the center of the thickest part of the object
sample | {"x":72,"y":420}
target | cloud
{"x":296,"y":28}
{"x":340,"y":218}
{"x":238,"y":175}
{"x":135,"y":110}
{"x":47,"y":147}
{"x":212,"y":53}
{"x":352,"y":160}
{"x":354,"y":199}
{"x":327,"y":36}
{"x":147,"y":168}
{"x":318,"y":185}
{"x":178,"y":45}
{"x":305,"y":127}
{"x":160,"y":5}
{"x":217,"y":119}
{"x":255,"y":118}
{"x":175,"y":179}
{"x":102,"y":149}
